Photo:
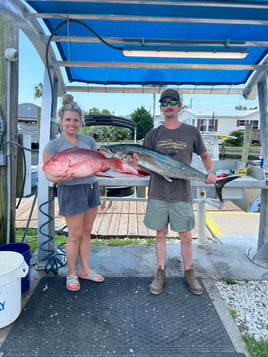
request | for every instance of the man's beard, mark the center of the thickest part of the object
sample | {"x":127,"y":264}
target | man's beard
{"x":170,"y":114}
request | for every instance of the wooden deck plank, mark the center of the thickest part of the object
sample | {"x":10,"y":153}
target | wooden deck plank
{"x":97,"y":223}
{"x":123,"y":223}
{"x":24,"y":206}
{"x":114,"y":225}
{"x":115,"y":218}
{"x":105,"y":224}
{"x":115,"y":221}
{"x":132,"y":220}
{"x":117,"y":206}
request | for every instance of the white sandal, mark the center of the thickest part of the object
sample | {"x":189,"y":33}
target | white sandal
{"x":72,"y":283}
{"x":93,"y":276}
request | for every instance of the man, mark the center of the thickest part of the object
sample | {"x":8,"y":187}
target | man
{"x":171,"y":202}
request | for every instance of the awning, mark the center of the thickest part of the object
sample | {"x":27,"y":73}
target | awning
{"x":92,"y":36}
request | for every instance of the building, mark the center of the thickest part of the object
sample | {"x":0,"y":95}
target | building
{"x":28,"y":119}
{"x":221,"y":122}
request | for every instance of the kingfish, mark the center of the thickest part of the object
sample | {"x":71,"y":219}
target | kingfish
{"x":78,"y":162}
{"x":162,"y":164}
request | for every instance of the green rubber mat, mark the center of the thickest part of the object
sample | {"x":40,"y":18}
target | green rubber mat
{"x":118,"y":317}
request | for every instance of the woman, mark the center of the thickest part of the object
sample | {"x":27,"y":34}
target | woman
{"x":78,"y":197}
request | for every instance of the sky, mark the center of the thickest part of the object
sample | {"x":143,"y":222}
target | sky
{"x":31,"y":72}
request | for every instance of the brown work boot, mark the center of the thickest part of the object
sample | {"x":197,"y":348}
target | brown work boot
{"x":156,"y":287}
{"x":192,"y":282}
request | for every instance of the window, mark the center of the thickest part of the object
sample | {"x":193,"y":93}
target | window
{"x":255,"y":124}
{"x":211,"y":125}
{"x":203,"y":126}
{"x":207,"y":125}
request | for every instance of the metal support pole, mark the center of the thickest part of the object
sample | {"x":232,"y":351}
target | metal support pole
{"x":260,"y":256}
{"x":202,"y":238}
{"x":8,"y":151}
{"x":45,"y":225}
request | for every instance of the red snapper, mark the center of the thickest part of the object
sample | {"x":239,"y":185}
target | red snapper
{"x":78,"y":162}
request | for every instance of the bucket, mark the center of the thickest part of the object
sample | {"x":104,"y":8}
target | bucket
{"x":12,"y":268}
{"x":25,"y":250}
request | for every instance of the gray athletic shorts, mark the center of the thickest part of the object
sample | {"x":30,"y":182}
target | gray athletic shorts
{"x":159,"y":214}
{"x":76,"y":199}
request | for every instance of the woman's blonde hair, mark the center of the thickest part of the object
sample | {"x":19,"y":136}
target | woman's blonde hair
{"x":69,"y":104}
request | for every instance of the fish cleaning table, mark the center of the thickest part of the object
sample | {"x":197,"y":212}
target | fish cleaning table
{"x":233,"y":190}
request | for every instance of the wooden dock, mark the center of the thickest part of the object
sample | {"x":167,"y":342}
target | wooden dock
{"x":114,"y":218}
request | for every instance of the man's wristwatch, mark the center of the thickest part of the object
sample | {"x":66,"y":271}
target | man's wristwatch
{"x":214,"y":172}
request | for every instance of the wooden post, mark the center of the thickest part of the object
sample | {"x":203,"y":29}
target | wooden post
{"x":246,"y":142}
{"x":8,"y":39}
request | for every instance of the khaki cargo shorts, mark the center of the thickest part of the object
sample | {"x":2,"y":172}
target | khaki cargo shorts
{"x":159,"y":214}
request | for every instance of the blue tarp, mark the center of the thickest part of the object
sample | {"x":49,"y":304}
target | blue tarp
{"x":124,"y":23}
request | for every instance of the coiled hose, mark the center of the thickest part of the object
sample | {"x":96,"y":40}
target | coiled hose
{"x":53,"y":261}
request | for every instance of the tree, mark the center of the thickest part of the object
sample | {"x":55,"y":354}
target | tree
{"x":38,"y":91}
{"x":240,"y":107}
{"x":106,"y":133}
{"x":97,"y":111}
{"x":239,"y":135}
{"x":144,"y":121}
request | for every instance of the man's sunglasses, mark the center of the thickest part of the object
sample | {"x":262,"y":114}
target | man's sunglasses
{"x":172,"y":102}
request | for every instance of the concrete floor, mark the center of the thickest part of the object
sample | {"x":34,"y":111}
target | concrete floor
{"x":212,"y":261}
{"x":229,"y":256}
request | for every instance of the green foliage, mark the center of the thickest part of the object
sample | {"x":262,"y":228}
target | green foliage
{"x":122,"y":241}
{"x":95,"y":110}
{"x":240,"y":107}
{"x":233,"y":313}
{"x":256,"y":348}
{"x":106,"y":133}
{"x":144,"y":121}
{"x":239,"y":138}
{"x":30,"y":237}
{"x":230,"y":281}
{"x":38,"y":90}
{"x":103,"y":133}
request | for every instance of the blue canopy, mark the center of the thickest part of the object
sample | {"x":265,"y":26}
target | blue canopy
{"x":91,"y":36}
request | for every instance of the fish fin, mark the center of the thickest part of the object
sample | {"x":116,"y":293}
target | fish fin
{"x":102,"y":174}
{"x":99,"y":153}
{"x":220,"y":184}
{"x":143,"y":172}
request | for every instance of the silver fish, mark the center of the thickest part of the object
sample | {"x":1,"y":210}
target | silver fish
{"x":162,"y":164}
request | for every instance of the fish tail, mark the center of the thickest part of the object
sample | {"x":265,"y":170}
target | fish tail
{"x":220,"y":184}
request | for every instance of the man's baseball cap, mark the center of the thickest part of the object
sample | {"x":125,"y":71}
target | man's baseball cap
{"x":170,"y":93}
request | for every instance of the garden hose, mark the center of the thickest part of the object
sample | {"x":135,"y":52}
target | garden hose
{"x":53,"y":261}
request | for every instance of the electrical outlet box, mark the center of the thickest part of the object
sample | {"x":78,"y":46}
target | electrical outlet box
{"x":3,"y":160}
{"x":2,"y":125}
